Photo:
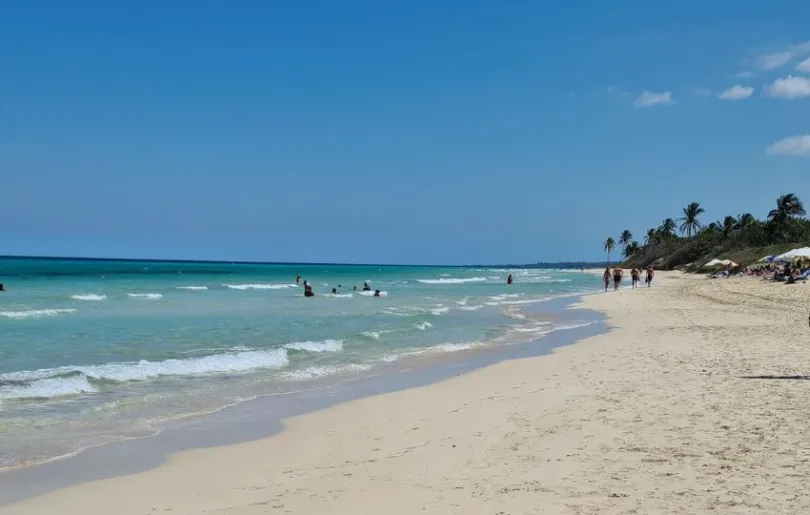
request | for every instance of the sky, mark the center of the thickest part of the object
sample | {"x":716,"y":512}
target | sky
{"x":432,"y":132}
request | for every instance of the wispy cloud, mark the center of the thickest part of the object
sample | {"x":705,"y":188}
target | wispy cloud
{"x":702,"y":92}
{"x":650,"y":99}
{"x":736,"y":92}
{"x":618,"y":92}
{"x":745,"y":75}
{"x":789,"y":88}
{"x":804,"y":66}
{"x":780,"y":58}
{"x":792,"y":146}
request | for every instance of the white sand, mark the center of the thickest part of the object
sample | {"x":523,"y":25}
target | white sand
{"x":653,"y":417}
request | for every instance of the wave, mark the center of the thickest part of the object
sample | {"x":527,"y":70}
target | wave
{"x":453,"y":280}
{"x":505,"y":296}
{"x":463,"y":302}
{"x":48,"y":388}
{"x":195,"y":288}
{"x":438,"y":311}
{"x":144,"y":370}
{"x":340,"y":295}
{"x":259,"y":286}
{"x":150,"y":296}
{"x":35,"y":313}
{"x":316,"y":372}
{"x":323,"y":346}
{"x":88,"y":296}
{"x":371,"y":293}
{"x":471,"y":308}
{"x":423,"y":326}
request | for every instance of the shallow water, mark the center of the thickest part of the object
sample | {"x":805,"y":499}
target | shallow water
{"x":96,"y":351}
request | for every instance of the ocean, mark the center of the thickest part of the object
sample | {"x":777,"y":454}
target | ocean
{"x":93,"y":352}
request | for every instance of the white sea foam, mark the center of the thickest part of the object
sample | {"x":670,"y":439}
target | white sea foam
{"x":88,"y":296}
{"x":316,"y":372}
{"x":449,"y":347}
{"x":438,"y":311}
{"x":195,"y":288}
{"x":371,"y":293}
{"x":453,"y":280}
{"x":463,"y":302}
{"x":259,"y":286}
{"x":505,"y":296}
{"x":340,"y":295}
{"x":322,"y":346}
{"x":48,"y":388}
{"x":471,"y":308}
{"x":423,"y":326}
{"x":149,"y":296}
{"x":144,"y":370}
{"x":32,"y":313}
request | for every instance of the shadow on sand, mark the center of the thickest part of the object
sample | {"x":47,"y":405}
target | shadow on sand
{"x":795,"y":378}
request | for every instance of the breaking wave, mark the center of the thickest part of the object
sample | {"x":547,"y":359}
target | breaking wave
{"x":31,"y":313}
{"x":259,"y":286}
{"x":88,"y":296}
{"x":452,"y":280}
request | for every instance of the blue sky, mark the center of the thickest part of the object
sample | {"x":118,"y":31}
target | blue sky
{"x":409,"y":132}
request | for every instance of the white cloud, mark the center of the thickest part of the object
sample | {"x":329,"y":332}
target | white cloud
{"x":774,"y":60}
{"x":782,"y":57}
{"x":702,"y":92}
{"x":804,"y":66}
{"x":649,"y":99}
{"x":790,"y":87}
{"x":746,"y":75}
{"x":792,"y":146}
{"x":736,"y":92}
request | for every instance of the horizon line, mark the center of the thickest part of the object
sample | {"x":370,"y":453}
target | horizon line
{"x":238,"y":262}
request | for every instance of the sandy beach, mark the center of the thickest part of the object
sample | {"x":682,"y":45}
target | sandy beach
{"x":663,"y":414}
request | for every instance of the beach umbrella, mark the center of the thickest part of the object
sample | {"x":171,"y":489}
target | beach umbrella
{"x":727,"y":262}
{"x":767,"y":259}
{"x":713,"y":262}
{"x":790,"y":255}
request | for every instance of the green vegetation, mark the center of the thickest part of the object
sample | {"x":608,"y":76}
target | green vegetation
{"x":742,"y":238}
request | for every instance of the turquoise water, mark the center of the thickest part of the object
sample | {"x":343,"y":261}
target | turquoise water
{"x":97,"y":351}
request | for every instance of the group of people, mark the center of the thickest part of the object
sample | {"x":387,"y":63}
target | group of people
{"x":308,"y":292}
{"x":635,"y":275}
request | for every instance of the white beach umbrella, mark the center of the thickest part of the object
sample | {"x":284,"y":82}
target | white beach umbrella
{"x":727,"y":262}
{"x":714,"y":262}
{"x":790,"y":255}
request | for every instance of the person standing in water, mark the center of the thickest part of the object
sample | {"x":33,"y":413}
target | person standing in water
{"x":635,"y":275}
{"x":606,"y":277}
{"x":297,"y":279}
{"x":650,"y":275}
{"x":617,"y":278}
{"x":509,"y":279}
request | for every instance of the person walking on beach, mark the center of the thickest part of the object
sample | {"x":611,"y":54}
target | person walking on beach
{"x":606,"y":277}
{"x":650,"y":275}
{"x":617,"y":278}
{"x":635,"y":275}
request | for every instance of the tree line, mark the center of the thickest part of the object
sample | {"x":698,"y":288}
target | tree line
{"x":664,"y":247}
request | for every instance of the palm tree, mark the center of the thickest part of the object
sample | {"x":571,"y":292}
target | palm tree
{"x":746,"y":221}
{"x":787,"y":207}
{"x":625,"y":238}
{"x":631,"y":248}
{"x":609,"y":246}
{"x":728,"y":226}
{"x":667,"y":228}
{"x":690,"y":223}
{"x":651,"y":237}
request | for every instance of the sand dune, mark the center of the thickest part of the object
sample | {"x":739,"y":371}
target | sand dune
{"x":657,"y":416}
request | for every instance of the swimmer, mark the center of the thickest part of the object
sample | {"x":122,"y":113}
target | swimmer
{"x":509,"y":279}
{"x":376,"y":293}
{"x":297,"y":279}
{"x":366,"y":287}
{"x":1,"y":287}
{"x":334,"y":291}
